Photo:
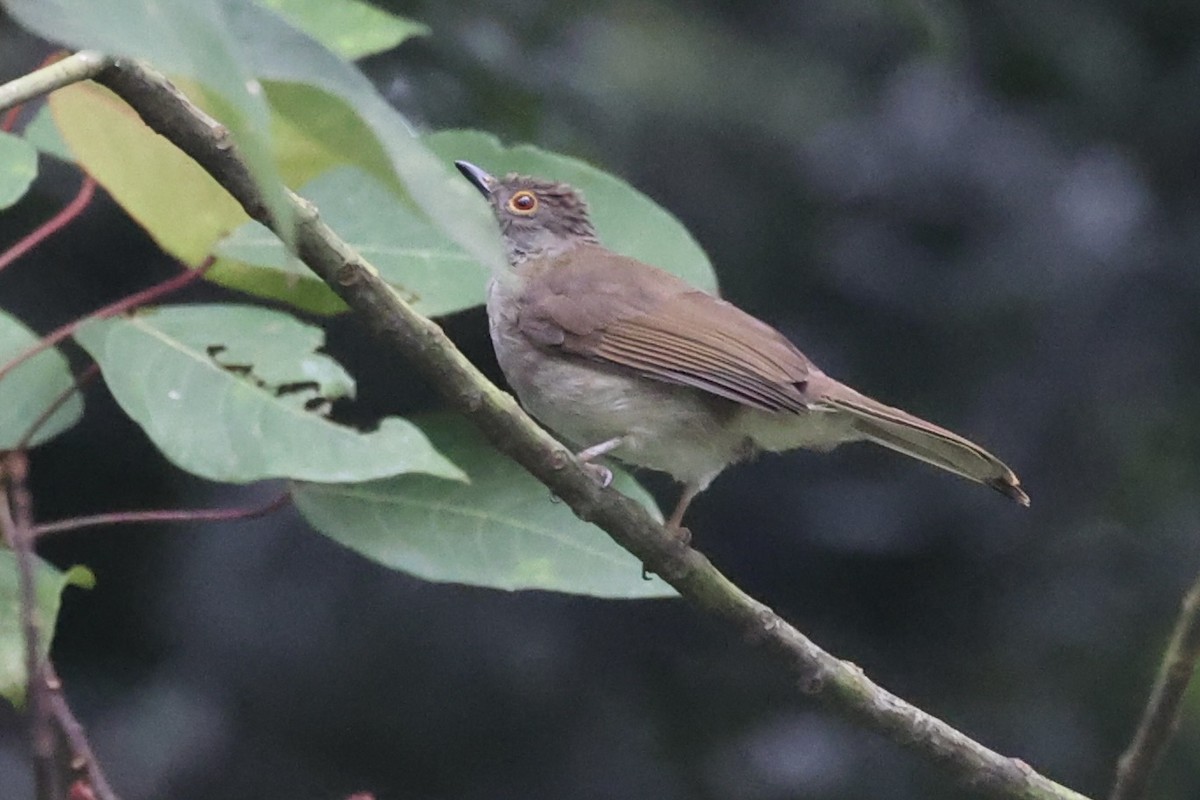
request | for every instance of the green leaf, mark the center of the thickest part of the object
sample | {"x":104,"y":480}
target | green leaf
{"x":266,"y":274}
{"x":234,"y":393}
{"x":50,"y":583}
{"x":222,"y":43}
{"x":179,"y":204}
{"x":282,"y":53}
{"x":43,"y":133}
{"x":500,"y":530}
{"x":431,"y":272}
{"x":350,"y":28}
{"x":194,"y":38}
{"x":18,"y":168}
{"x":626,"y":220}
{"x":27,"y":391}
{"x":315,"y":131}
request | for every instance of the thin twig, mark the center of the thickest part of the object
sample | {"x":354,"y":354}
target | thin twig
{"x":81,"y":380}
{"x":1160,"y":719}
{"x":840,"y":685}
{"x":111,"y":310}
{"x":70,"y":211}
{"x":72,"y":69}
{"x":173,"y":515}
{"x":17,"y":522}
{"x":83,"y":761}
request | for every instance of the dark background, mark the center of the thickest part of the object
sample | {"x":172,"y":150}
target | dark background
{"x":984,"y":212}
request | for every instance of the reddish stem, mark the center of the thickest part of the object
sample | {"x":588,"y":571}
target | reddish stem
{"x":81,"y":380}
{"x":10,"y":118}
{"x":51,"y":226}
{"x":175,"y":515}
{"x":111,"y":310}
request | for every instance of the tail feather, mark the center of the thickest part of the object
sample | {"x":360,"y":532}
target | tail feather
{"x":900,"y":431}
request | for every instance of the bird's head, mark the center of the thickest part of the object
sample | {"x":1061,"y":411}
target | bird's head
{"x":537,"y":218}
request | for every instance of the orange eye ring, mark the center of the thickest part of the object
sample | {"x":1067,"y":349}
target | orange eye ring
{"x":523,"y":202}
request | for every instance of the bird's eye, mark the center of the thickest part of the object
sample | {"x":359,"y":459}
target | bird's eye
{"x":523,"y":202}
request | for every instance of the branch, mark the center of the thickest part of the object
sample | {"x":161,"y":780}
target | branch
{"x":72,"y":69}
{"x":17,"y":522}
{"x":840,"y":685}
{"x":83,"y":763}
{"x":1161,"y":717}
{"x":47,"y":706}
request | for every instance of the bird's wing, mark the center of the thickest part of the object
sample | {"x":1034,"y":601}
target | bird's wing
{"x":624,"y":312}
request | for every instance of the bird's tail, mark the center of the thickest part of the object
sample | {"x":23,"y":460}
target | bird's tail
{"x":900,"y":431}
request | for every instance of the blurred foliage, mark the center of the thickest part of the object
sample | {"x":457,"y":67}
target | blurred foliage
{"x":50,"y":585}
{"x":30,"y":388}
{"x":984,"y":212}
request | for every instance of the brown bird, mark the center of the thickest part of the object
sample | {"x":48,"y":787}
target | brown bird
{"x":625,"y":359}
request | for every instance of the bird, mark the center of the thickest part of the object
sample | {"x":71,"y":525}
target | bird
{"x":626,"y":360}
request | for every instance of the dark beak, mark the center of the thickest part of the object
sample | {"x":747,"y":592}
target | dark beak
{"x":483,"y":181}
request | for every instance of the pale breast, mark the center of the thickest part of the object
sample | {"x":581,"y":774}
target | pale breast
{"x":669,"y":428}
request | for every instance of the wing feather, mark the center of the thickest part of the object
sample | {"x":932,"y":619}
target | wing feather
{"x":626,"y":313}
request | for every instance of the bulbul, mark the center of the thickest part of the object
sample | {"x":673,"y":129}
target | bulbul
{"x":624,"y":359}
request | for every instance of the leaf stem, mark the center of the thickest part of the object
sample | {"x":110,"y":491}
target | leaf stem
{"x":81,"y":380}
{"x":70,"y":211}
{"x":166,"y":515}
{"x":10,"y":119}
{"x":111,"y":310}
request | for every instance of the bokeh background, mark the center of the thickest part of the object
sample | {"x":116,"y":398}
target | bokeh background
{"x":984,"y":212}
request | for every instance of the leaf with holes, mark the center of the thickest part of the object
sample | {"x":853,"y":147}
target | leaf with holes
{"x":236,"y":393}
{"x":501,"y":530}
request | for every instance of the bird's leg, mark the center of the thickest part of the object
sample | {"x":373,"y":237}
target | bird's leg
{"x":603,"y":474}
{"x":675,"y":523}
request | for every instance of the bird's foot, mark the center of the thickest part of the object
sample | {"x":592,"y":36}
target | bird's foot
{"x":601,"y":473}
{"x":683,"y":538}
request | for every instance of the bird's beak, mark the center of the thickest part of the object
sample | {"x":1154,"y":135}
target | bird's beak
{"x":483,"y":181}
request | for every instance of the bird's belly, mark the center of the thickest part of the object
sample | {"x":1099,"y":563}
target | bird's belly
{"x":664,"y":427}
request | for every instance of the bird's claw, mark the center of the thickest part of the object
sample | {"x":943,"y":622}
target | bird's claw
{"x":602,"y":474}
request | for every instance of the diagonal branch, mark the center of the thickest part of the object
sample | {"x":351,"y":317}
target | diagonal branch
{"x":840,"y":685}
{"x":1161,"y":717}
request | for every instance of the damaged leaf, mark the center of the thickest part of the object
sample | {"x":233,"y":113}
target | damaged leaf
{"x":238,"y":393}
